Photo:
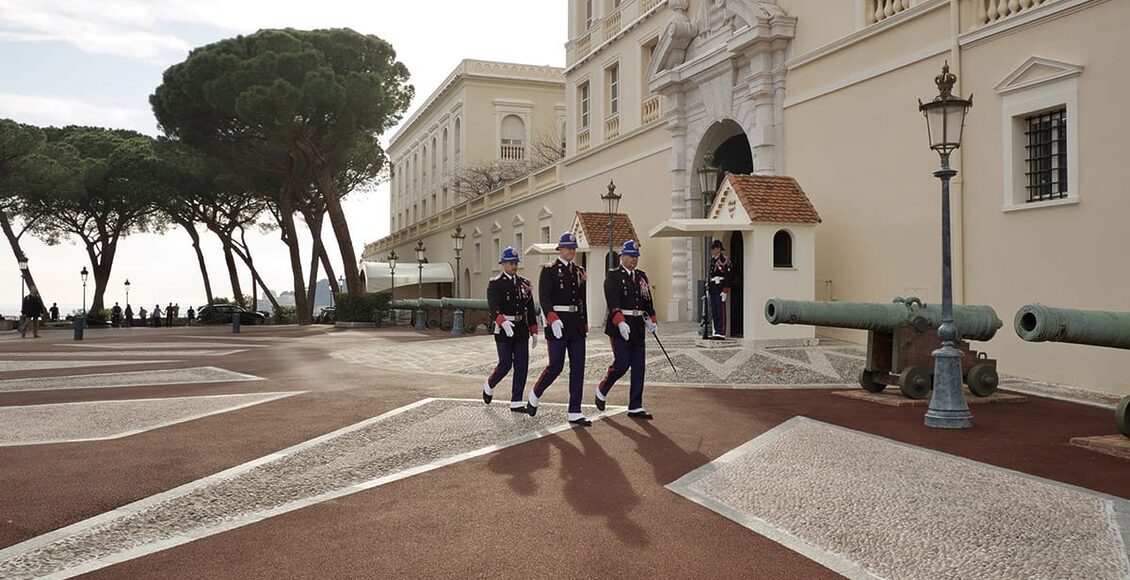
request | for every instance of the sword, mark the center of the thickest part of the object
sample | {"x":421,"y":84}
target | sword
{"x":660,"y":343}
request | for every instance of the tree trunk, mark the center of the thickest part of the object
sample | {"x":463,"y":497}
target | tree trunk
{"x":101,"y":265}
{"x":246,"y":257}
{"x":290,"y":238}
{"x":237,"y":292}
{"x":314,"y":223}
{"x":14,"y":241}
{"x":334,"y":286}
{"x":191,"y":229}
{"x":329,"y":192}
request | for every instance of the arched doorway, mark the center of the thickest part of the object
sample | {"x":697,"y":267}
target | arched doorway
{"x":736,"y":310}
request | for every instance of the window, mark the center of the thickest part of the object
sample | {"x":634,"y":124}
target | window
{"x":518,"y":243}
{"x":435,"y":174}
{"x":445,"y":146}
{"x":496,"y":254}
{"x":546,"y":234}
{"x":1046,"y":155}
{"x":584,"y":108}
{"x":424,"y":168}
{"x":782,"y":249}
{"x":447,"y":202}
{"x":612,"y":77}
{"x":423,"y":209}
{"x":647,"y":53}
{"x":513,"y":138}
{"x":478,"y":256}
{"x":435,"y":206}
{"x":458,"y":137}
{"x":588,"y":14}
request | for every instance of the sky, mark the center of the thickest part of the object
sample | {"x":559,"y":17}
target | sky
{"x":95,"y":62}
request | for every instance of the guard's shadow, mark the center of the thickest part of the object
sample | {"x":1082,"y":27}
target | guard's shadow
{"x":668,"y":461}
{"x":595,"y":485}
{"x":520,"y":470}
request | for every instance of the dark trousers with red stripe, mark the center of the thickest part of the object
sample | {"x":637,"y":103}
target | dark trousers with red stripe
{"x":557,"y":350}
{"x":718,"y":312}
{"x":627,"y":354}
{"x":512,"y":353}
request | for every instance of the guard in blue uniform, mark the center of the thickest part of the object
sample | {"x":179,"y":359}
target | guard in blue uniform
{"x":631,"y":313}
{"x":510,"y":298}
{"x":718,"y":286}
{"x":561,"y":293}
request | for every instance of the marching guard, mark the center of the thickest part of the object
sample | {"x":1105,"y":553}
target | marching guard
{"x":631,"y":312}
{"x":561,"y":293}
{"x":510,"y":298}
{"x":718,"y":287}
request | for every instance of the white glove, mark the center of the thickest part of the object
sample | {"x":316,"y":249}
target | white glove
{"x":533,"y":341}
{"x":557,"y":327}
{"x":625,"y":330}
{"x":651,"y":326}
{"x":508,"y":328}
{"x":724,"y":297}
{"x":716,"y":279}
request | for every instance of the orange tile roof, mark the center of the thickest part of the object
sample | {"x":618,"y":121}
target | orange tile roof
{"x":773,"y":198}
{"x":595,"y":227}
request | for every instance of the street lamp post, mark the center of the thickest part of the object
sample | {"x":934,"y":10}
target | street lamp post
{"x":80,"y":320}
{"x":420,"y":249}
{"x":23,"y":277}
{"x":392,"y":286}
{"x":945,"y":119}
{"x":127,"y":300}
{"x":708,"y":183}
{"x":611,"y":201}
{"x":457,"y":316}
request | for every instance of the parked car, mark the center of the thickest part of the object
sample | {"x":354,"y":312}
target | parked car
{"x":222,"y":313}
{"x":328,"y":315}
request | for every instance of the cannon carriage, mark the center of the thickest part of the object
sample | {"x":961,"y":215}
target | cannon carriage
{"x":1040,"y":323}
{"x":901,"y":339}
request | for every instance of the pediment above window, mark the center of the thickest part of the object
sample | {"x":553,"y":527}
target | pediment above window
{"x":1036,"y":71}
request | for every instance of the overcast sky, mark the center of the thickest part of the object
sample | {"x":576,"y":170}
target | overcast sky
{"x":95,"y":62}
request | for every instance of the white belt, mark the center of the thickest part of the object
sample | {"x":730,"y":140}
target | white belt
{"x":512,"y":317}
{"x":566,"y":308}
{"x":633,"y":313}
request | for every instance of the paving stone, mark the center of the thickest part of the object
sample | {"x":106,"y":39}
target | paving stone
{"x":868,"y":507}
{"x":404,"y":442}
{"x":121,"y":353}
{"x":891,"y":397}
{"x":127,"y":379}
{"x":97,"y":420}
{"x":1116,"y":445}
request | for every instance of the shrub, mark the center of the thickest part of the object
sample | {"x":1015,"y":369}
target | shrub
{"x":286,"y":315}
{"x":359,"y":308}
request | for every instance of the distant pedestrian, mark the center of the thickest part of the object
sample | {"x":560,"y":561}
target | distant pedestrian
{"x":129,"y":316}
{"x":156,"y":315}
{"x":176,"y":310}
{"x":30,"y":311}
{"x":191,"y":315}
{"x":115,"y":316}
{"x":169,"y":313}
{"x":54,"y":312}
{"x":141,"y":316}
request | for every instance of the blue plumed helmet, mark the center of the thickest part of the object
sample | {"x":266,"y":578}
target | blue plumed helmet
{"x":509,"y":255}
{"x":568,"y":240}
{"x":716,"y":244}
{"x":630,"y":249}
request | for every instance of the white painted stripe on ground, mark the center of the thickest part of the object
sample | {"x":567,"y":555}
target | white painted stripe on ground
{"x":193,"y":375}
{"x":120,"y":353}
{"x":42,"y":365}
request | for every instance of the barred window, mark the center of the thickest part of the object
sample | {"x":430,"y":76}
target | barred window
{"x":1046,"y":155}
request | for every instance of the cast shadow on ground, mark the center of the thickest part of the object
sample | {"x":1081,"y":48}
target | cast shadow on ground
{"x":668,"y":461}
{"x":535,"y":457}
{"x":595,"y":485}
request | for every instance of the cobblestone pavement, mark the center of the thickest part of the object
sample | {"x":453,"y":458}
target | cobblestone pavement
{"x":98,"y":420}
{"x":140,"y":352}
{"x":182,"y":345}
{"x":868,"y":507}
{"x":403,"y":442}
{"x":127,"y":379}
{"x":833,"y":364}
{"x":42,"y":365}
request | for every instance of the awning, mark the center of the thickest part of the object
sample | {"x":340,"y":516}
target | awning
{"x":540,"y":249}
{"x":377,"y":276}
{"x":695,"y":227}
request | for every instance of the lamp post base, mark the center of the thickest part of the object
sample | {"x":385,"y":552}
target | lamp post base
{"x":457,"y":323}
{"x":80,"y":326}
{"x":419,"y":323}
{"x":948,"y":409}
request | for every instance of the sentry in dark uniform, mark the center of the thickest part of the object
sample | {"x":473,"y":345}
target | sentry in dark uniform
{"x":718,"y":286}
{"x":631,"y":313}
{"x":510,"y":298}
{"x":561,"y":294}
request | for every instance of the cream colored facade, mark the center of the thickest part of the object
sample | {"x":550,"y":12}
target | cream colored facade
{"x":826,"y":92}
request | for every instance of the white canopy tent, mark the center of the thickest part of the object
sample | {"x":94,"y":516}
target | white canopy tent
{"x":378,"y":278}
{"x":696,"y":227}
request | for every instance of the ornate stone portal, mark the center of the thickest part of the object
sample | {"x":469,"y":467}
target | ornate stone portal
{"x":722,"y":73}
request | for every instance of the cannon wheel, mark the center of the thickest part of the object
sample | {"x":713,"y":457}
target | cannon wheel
{"x":982,"y":380}
{"x":915,"y":383}
{"x":1122,"y":416}
{"x":868,"y":382}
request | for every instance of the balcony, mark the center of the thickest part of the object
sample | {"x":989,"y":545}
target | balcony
{"x":650,"y":109}
{"x":583,"y":46}
{"x":647,"y":5}
{"x":611,"y":25}
{"x":612,"y":127}
{"x":990,"y":11}
{"x":880,"y":10}
{"x":582,"y":140}
{"x":512,"y":152}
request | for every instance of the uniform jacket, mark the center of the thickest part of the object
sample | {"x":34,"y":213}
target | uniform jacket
{"x":627,"y":291}
{"x":514,"y":296}
{"x":562,"y":284}
{"x":721,"y":266}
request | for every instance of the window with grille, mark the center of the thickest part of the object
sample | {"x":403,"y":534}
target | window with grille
{"x":1046,"y":155}
{"x":585,"y":106}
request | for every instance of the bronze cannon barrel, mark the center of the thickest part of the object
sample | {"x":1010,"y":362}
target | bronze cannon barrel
{"x":413,"y":304}
{"x":1040,"y":323}
{"x":973,"y":322}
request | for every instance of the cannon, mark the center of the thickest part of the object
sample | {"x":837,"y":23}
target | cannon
{"x":901,"y":338}
{"x":1040,"y":323}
